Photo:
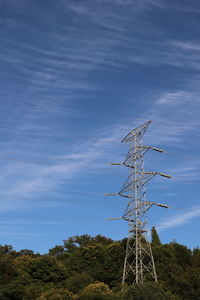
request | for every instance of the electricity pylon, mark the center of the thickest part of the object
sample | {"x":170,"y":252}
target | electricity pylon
{"x":139,"y":263}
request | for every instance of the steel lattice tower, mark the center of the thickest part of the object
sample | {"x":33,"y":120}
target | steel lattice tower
{"x":139,"y":263}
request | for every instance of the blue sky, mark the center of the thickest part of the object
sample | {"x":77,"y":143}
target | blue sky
{"x":75,"y":78}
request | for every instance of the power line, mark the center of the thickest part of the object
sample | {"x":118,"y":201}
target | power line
{"x":18,"y":160}
{"x":53,"y":218}
{"x":103,"y":201}
{"x":182,"y":154}
{"x":32,"y":154}
{"x":52,"y":134}
{"x":100,"y":165}
{"x":25,"y":131}
{"x":33,"y":161}
{"x":183,"y":209}
{"x":46,"y":155}
{"x":59,"y":192}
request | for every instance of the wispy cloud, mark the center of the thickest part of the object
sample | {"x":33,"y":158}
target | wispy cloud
{"x":65,"y":168}
{"x":66,"y":62}
{"x":177,"y":98}
{"x":167,"y":129}
{"x":188,"y":46}
{"x":65,"y":57}
{"x":179,"y":219}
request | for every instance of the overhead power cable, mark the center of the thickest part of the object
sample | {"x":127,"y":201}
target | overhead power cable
{"x":25,"y":131}
{"x":55,"y":191}
{"x":48,"y":217}
{"x":103,"y":201}
{"x":65,"y":161}
{"x":62,"y":157}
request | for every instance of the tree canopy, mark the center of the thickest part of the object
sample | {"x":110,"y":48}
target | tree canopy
{"x":87,"y":268}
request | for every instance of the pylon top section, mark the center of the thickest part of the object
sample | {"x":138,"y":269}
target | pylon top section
{"x":139,"y":131}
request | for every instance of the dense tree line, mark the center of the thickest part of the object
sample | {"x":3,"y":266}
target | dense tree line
{"x":90,"y":268}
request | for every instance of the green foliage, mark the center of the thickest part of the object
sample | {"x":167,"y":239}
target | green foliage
{"x":8,"y":270}
{"x":182,"y":254}
{"x":76,"y":241}
{"x":26,"y":252}
{"x":33,"y":290}
{"x":147,"y":291}
{"x":154,"y":237}
{"x":172,"y":261}
{"x":78,"y":281}
{"x":57,"y":251}
{"x":42,"y":268}
{"x":89,"y":268}
{"x":6,"y":249}
{"x":46,"y":269}
{"x":96,"y":291}
{"x":113,"y":263}
{"x":102,"y":261}
{"x":57,"y":294}
{"x":14,"y":290}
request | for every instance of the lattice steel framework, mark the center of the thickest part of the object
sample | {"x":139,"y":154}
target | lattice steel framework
{"x":139,"y":263}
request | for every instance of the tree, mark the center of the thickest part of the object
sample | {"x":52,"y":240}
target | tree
{"x":91,"y":267}
{"x":148,"y":291}
{"x":76,"y":241}
{"x":112,"y":264}
{"x":57,"y":251}
{"x":57,"y":294}
{"x":78,"y":281}
{"x":154,"y":237}
{"x":8,"y":271}
{"x":96,"y":291}
{"x":6,"y":249}
{"x":47,"y":269}
{"x":26,"y":252}
{"x":182,"y":253}
{"x":13,"y":290}
{"x":43,"y":268}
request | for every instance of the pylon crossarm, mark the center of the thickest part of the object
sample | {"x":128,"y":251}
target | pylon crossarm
{"x":147,"y":177}
{"x":131,"y":183}
{"x":134,"y":155}
{"x":114,"y":219}
{"x":128,"y":166}
{"x":165,"y":175}
{"x":118,"y":194}
{"x":158,"y":173}
{"x":127,"y":219}
{"x":147,"y":207}
{"x":111,"y":194}
{"x":125,"y":196}
{"x":135,"y":132}
{"x":116,"y":164}
{"x":151,"y":148}
{"x":162,"y":205}
{"x":158,"y":204}
{"x":141,"y":208}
